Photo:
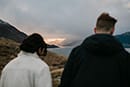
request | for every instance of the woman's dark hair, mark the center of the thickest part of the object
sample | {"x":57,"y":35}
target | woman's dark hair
{"x":32,"y":44}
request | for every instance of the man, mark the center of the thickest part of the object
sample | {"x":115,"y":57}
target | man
{"x":28,"y":70}
{"x":100,"y":61}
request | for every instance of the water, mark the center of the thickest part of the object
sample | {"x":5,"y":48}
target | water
{"x":66,"y":51}
{"x":62,"y":51}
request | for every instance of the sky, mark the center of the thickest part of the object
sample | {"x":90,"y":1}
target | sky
{"x":63,"y":19}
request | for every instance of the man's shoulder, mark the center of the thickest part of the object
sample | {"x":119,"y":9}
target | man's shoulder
{"x":126,"y":52}
{"x":78,"y":50}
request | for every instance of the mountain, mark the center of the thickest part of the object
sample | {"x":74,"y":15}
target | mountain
{"x":124,"y":39}
{"x":71,"y":43}
{"x":11,"y":32}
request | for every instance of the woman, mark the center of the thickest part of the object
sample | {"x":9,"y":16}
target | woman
{"x":28,"y":70}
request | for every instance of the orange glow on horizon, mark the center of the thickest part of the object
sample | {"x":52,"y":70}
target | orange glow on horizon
{"x":55,"y":41}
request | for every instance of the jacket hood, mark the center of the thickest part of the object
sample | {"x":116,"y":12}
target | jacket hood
{"x":102,"y":44}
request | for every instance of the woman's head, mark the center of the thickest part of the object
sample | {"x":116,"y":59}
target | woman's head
{"x":33,"y":43}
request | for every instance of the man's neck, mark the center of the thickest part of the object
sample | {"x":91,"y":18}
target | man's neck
{"x":101,"y":32}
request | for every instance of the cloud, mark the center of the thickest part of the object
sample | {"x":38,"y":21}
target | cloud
{"x":63,"y":18}
{"x":127,"y":5}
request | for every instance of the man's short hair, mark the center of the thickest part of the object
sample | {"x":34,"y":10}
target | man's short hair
{"x":105,"y":22}
{"x":32,"y":44}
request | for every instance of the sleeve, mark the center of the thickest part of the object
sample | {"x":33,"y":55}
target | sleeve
{"x":44,"y":78}
{"x":128,"y":70}
{"x":1,"y":81}
{"x":69,"y":69}
{"x":125,"y":69}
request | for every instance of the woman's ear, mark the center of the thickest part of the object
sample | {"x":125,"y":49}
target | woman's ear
{"x":42,"y":52}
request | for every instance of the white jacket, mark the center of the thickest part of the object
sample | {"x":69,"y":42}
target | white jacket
{"x":27,"y":70}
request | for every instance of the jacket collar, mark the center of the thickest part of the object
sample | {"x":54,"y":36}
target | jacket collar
{"x":28,"y":54}
{"x":102,"y":44}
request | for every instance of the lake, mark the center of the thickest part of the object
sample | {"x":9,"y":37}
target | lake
{"x":62,"y":51}
{"x":66,"y":50}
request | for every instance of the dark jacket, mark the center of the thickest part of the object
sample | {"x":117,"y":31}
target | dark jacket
{"x":100,"y":61}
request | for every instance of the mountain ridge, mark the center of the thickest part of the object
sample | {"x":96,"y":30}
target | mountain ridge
{"x":124,"y":38}
{"x":9,"y":31}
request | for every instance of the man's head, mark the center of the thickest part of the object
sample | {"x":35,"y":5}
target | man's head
{"x":105,"y":24}
{"x":34,"y":43}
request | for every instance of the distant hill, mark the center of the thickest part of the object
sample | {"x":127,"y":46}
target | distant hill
{"x":52,"y":46}
{"x":11,"y":32}
{"x":71,"y":43}
{"x":124,"y":39}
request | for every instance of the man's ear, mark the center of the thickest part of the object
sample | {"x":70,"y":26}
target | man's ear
{"x":112,"y":30}
{"x":94,"y":30}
